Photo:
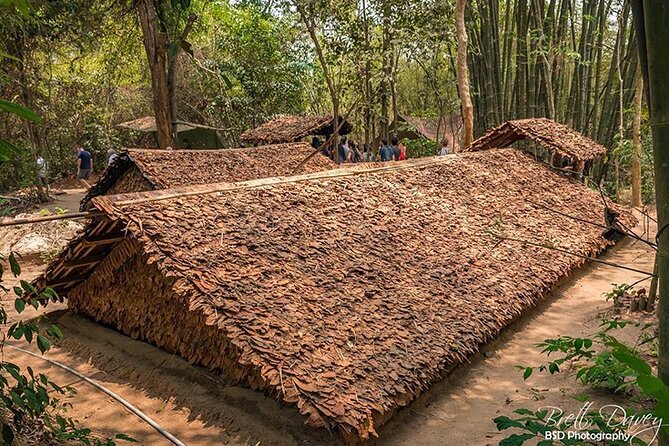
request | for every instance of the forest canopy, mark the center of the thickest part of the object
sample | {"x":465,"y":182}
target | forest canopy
{"x":82,"y":67}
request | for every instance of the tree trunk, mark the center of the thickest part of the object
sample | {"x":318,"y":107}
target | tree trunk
{"x":636,"y":141}
{"x":172,"y":72}
{"x":311,"y":28}
{"x":463,"y":74}
{"x":155,"y":44}
{"x":655,"y":19}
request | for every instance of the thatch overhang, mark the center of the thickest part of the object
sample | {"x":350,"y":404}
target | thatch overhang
{"x":290,"y":128}
{"x":137,"y":170}
{"x":346,"y":292}
{"x":555,"y":137}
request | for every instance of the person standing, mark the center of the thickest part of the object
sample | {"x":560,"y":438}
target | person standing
{"x":444,"y":148}
{"x":385,"y":152}
{"x":41,"y":172}
{"x":84,"y":165}
{"x":403,"y":151}
{"x":111,"y":156}
{"x":395,"y":148}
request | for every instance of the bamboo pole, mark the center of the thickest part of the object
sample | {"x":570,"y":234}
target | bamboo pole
{"x":25,"y":221}
{"x":653,"y":39}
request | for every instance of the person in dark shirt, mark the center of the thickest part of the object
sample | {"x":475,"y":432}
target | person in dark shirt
{"x":84,"y":165}
{"x":343,"y":152}
{"x":385,"y":152}
{"x":395,"y":147}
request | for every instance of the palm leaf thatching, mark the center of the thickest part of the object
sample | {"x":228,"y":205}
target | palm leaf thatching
{"x":555,"y":137}
{"x":137,"y":170}
{"x":346,"y":292}
{"x":289,"y":128}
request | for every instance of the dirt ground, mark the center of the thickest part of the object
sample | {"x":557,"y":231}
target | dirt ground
{"x":200,"y":409}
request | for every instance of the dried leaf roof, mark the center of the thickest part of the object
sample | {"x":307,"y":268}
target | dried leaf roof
{"x":350,"y":291}
{"x":177,"y":168}
{"x":450,"y":126}
{"x":147,"y":124}
{"x":290,"y":128}
{"x":557,"y":138}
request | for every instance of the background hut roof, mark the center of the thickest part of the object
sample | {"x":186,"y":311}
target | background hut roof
{"x":556,"y":137}
{"x":147,"y":124}
{"x":349,"y":307}
{"x":177,"y":168}
{"x":427,"y":127}
{"x":289,"y":128}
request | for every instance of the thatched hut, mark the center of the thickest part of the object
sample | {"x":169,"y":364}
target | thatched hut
{"x":431,"y":128}
{"x":346,"y":292}
{"x":556,"y":138}
{"x":137,"y":170}
{"x":290,"y":128}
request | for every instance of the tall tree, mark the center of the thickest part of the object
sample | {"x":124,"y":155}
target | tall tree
{"x":651,"y":18}
{"x":463,"y":73}
{"x":156,"y":44}
{"x":159,"y":20}
{"x":636,"y":141}
{"x":308,"y":16}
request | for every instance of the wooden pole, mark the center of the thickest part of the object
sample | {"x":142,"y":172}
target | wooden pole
{"x":25,"y":221}
{"x":651,"y":18}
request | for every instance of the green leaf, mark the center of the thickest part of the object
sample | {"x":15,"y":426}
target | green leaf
{"x":43,"y":343}
{"x":578,"y":343}
{"x":523,"y":411}
{"x":20,"y":111}
{"x":27,"y":286}
{"x":516,"y":440}
{"x":19,"y":305}
{"x":634,"y":362}
{"x":125,"y":437}
{"x":505,"y":422}
{"x":14,"y":265}
{"x":55,"y":332}
{"x":527,"y":373}
{"x":553,"y":368}
{"x":4,"y":55}
{"x":545,"y":443}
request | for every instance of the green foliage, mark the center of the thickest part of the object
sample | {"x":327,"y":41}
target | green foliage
{"x":30,"y":400}
{"x":417,"y":148}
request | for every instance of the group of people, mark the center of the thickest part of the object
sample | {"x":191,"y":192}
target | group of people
{"x":84,"y":168}
{"x":350,"y":151}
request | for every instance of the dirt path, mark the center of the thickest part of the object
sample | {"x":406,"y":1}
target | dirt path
{"x":200,"y":409}
{"x":69,"y":200}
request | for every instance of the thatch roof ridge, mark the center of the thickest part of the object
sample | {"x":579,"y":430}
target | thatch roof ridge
{"x":147,"y":124}
{"x":175,"y":168}
{"x":290,"y":128}
{"x":554,"y":136}
{"x":350,"y":305}
{"x":205,"y":189}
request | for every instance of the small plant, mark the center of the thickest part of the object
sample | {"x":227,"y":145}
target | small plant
{"x":31,"y":401}
{"x":617,"y":292}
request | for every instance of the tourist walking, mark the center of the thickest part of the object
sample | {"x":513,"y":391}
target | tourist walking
{"x":41,"y":172}
{"x":84,"y":165}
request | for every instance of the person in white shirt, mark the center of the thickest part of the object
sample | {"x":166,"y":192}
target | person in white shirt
{"x":41,"y":172}
{"x":444,"y":148}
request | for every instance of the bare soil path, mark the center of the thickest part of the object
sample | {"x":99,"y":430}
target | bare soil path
{"x":201,"y":409}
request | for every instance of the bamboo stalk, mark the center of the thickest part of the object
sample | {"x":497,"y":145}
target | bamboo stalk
{"x":72,"y":215}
